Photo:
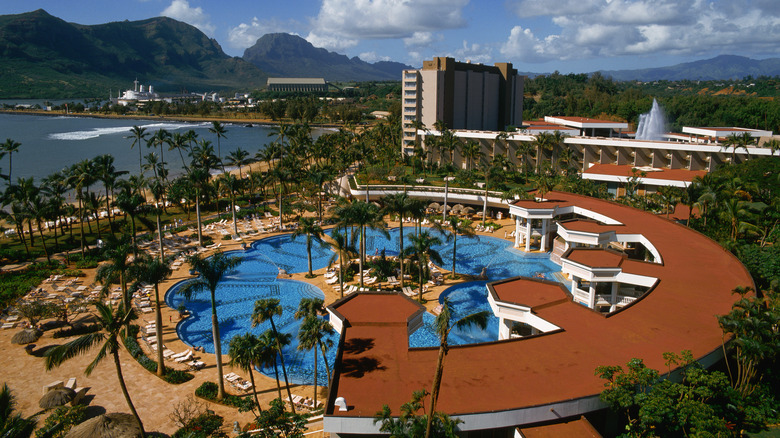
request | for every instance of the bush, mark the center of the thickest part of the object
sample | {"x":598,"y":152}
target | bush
{"x":61,"y":421}
{"x":171,"y":375}
{"x":209,"y":391}
{"x":203,"y":426}
{"x":77,"y":331}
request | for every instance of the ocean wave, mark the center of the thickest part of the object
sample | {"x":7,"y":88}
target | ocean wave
{"x":98,"y":132}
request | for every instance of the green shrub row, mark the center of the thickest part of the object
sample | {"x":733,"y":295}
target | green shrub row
{"x":171,"y":375}
{"x":209,"y":391}
{"x":206,"y":425}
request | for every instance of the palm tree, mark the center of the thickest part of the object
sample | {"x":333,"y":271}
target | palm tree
{"x":472,"y":151}
{"x":116,"y":252}
{"x":113,"y":323}
{"x":139,"y":135}
{"x":265,"y":310}
{"x":398,"y":203}
{"x":342,"y":250}
{"x":308,"y":227}
{"x":199,"y":178}
{"x":238,"y":158}
{"x":154,"y":271}
{"x":317,"y":176}
{"x":544,"y":141}
{"x":130,"y":204}
{"x":736,"y":141}
{"x":107,"y":174}
{"x":268,"y":351}
{"x":365,"y":215}
{"x":211,"y":270}
{"x":773,"y":145}
{"x":10,"y":147}
{"x":178,"y":141}
{"x":80,"y":176}
{"x":231,"y":185}
{"x":456,"y":226}
{"x":12,"y":424}
{"x":444,"y":325}
{"x":310,"y":336}
{"x":422,"y":250}
{"x":219,"y":130}
{"x":160,"y":138}
{"x":523,"y":149}
{"x":245,"y":352}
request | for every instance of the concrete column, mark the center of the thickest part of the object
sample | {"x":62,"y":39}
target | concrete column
{"x":517,"y":231}
{"x":528,"y":235}
{"x":613,"y":298}
{"x":544,"y":235}
{"x":592,"y":295}
{"x":504,"y":329}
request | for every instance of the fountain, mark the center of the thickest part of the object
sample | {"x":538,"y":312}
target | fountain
{"x":652,"y":125}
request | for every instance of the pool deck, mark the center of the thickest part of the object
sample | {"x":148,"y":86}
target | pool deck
{"x":153,"y":398}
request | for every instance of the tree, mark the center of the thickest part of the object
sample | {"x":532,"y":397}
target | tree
{"x":268,"y":351}
{"x":130,"y":203}
{"x":444,"y":325}
{"x":310,"y":337}
{"x":265,"y":310}
{"x":308,"y":227}
{"x":275,"y":421}
{"x":108,"y":175}
{"x":398,"y":203}
{"x":198,"y":177}
{"x":238,"y":158}
{"x":410,"y":424}
{"x":422,"y":250}
{"x":244,"y":351}
{"x":113,"y":323}
{"x":364,"y":215}
{"x":456,"y":226}
{"x":699,"y":403}
{"x":544,"y":141}
{"x":737,"y":141}
{"x":10,"y":147}
{"x":211,"y":271}
{"x":116,"y":253}
{"x":139,"y":135}
{"x":342,"y":250}
{"x":12,"y":424}
{"x":160,"y":138}
{"x":219,"y":130}
{"x":154,"y":271}
{"x":752,"y":325}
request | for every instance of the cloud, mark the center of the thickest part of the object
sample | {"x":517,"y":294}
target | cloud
{"x":246,"y":34}
{"x":372,"y":57}
{"x":181,"y":10}
{"x":610,"y":28}
{"x":476,"y":53}
{"x":343,"y":22}
{"x":421,"y":39}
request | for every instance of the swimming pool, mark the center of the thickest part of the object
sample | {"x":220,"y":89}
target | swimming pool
{"x":255,"y":278}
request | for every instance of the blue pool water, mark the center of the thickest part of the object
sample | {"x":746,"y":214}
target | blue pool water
{"x":255,"y":278}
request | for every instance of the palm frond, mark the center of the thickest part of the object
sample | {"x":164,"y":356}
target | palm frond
{"x":479,"y":319}
{"x":54,"y":357}
{"x":100,"y":356}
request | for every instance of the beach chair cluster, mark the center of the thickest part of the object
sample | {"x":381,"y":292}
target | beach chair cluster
{"x":237,"y":382}
{"x":304,"y":402}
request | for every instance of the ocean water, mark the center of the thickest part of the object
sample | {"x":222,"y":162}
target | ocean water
{"x":51,"y":143}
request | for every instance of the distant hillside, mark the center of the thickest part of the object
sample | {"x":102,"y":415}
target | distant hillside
{"x":719,"y":68}
{"x":285,"y":55}
{"x":43,"y":56}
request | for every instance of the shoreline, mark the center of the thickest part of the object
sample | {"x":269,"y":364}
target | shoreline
{"x":260,"y":121}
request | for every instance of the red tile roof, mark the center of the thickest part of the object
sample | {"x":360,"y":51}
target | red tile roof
{"x":376,"y":367}
{"x":626,"y":170}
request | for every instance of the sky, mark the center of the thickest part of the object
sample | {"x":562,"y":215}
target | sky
{"x":538,"y":36}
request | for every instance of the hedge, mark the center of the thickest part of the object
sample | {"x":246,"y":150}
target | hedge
{"x":171,"y":375}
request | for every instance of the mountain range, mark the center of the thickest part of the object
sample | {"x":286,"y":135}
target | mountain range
{"x":285,"y":55}
{"x":719,"y":68}
{"x":42,"y":56}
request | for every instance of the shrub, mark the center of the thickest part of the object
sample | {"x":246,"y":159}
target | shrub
{"x":203,"y":426}
{"x":209,"y":390}
{"x":61,"y":421}
{"x":171,"y":375}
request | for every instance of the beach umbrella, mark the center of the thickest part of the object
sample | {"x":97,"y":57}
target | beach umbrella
{"x":445,"y":207}
{"x":26,"y":336}
{"x":114,"y":425}
{"x":457,"y":207}
{"x":434,"y":206}
{"x":56,"y":397}
{"x":467,"y":210}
